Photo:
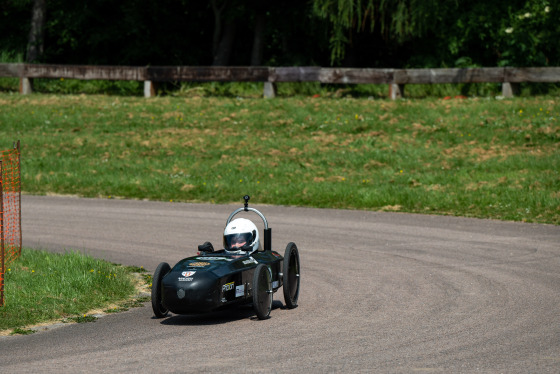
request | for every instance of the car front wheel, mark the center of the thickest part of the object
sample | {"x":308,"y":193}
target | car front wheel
{"x":262,"y":291}
{"x":160,"y":310}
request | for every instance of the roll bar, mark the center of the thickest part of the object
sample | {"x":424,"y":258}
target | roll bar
{"x":267,"y":231}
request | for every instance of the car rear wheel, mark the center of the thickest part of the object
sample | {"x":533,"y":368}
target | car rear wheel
{"x":262,"y":291}
{"x":290,"y":276}
{"x":160,"y":310}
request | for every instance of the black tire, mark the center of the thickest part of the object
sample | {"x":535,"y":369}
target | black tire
{"x":262,"y":291}
{"x":290,"y":276}
{"x":160,"y":310}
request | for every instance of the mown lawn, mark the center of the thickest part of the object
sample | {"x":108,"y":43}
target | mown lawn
{"x":476,"y":157}
{"x":42,"y":287}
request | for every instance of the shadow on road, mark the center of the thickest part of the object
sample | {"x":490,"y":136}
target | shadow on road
{"x":233,"y":313}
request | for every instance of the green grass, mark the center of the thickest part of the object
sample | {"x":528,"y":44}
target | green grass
{"x":478,"y":157}
{"x":42,"y":287}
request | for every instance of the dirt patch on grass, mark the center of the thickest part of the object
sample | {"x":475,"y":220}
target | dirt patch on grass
{"x":391,"y":208}
{"x":374,"y":164}
{"x":481,"y":154}
{"x":174,"y":114}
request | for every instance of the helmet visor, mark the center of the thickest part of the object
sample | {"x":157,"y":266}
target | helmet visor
{"x":236,"y":241}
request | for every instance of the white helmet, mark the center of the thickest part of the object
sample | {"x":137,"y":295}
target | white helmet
{"x":241,"y":232}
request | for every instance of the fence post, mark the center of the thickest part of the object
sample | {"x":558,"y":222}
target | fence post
{"x":510,"y":89}
{"x":2,"y":252}
{"x":269,"y":90}
{"x":18,"y":150}
{"x":25,"y":86}
{"x":149,"y":89}
{"x":396,"y":91}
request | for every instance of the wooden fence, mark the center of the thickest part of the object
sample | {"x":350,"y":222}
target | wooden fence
{"x":396,"y":78}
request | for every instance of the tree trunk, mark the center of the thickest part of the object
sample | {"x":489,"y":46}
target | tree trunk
{"x":218,"y":10}
{"x":225,"y":46}
{"x":35,"y":43}
{"x":258,"y":40}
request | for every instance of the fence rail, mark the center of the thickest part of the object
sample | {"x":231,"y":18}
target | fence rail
{"x":395,"y":78}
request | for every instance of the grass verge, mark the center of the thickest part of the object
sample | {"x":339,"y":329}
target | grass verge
{"x":477,"y":157}
{"x":42,"y":287}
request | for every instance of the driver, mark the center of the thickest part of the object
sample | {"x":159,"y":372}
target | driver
{"x":239,"y":233}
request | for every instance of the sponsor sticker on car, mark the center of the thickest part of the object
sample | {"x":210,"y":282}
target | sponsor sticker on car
{"x":240,"y":291}
{"x":228,"y":286}
{"x":251,"y":260}
{"x":199,"y":264}
{"x":186,"y":276}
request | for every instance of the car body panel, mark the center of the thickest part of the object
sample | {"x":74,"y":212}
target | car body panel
{"x":214,"y":280}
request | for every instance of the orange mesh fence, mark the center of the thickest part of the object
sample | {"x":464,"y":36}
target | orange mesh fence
{"x":10,"y":210}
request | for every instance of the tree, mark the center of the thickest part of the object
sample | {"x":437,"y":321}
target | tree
{"x":224,"y":34}
{"x":529,"y":35}
{"x":35,"y":45}
{"x":227,"y":15}
{"x":259,"y":32}
{"x":397,"y":20}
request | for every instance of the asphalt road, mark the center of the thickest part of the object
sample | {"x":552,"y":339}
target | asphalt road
{"x":380,"y":292}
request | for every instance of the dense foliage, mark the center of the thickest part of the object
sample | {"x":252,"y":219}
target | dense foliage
{"x":360,"y":33}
